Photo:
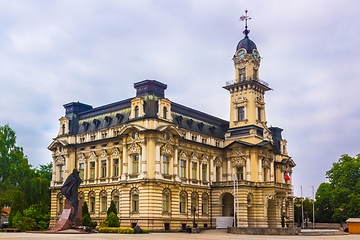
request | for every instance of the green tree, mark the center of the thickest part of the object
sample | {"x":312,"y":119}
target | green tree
{"x":340,"y":197}
{"x":323,"y":207}
{"x":86,"y":220}
{"x":112,"y":208}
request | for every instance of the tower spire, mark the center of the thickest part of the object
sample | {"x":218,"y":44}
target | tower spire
{"x":246,"y":18}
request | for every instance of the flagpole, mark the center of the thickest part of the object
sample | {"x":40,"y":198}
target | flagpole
{"x":302,"y":208}
{"x":313,"y":207}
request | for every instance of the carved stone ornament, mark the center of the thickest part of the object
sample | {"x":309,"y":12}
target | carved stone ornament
{"x":238,"y":161}
{"x":218,"y":161}
{"x":205,"y":159}
{"x":240,"y":100}
{"x":265,"y":163}
{"x":134,"y":148}
{"x":194,"y":156}
{"x":183,"y":154}
{"x":115,"y":151}
{"x":81,"y":157}
{"x":59,"y":160}
{"x":238,"y":152}
{"x":103,"y":153}
{"x":92,"y":155}
{"x":167,"y":150}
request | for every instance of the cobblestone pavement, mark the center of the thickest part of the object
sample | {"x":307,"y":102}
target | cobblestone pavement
{"x":205,"y":235}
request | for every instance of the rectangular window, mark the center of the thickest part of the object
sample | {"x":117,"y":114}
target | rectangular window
{"x":61,"y":204}
{"x":193,"y":170}
{"x":259,"y":113}
{"x":165,"y":165}
{"x":117,"y":203}
{"x":61,"y":167}
{"x":116,"y":167}
{"x":204,"y":172}
{"x":135,"y":207}
{"x":92,"y":204}
{"x":182,"y":168}
{"x":239,"y":173}
{"x":241,"y":113}
{"x":103,"y":204}
{"x":242,"y":75}
{"x":182,"y":204}
{"x":255,"y":76}
{"x":92,"y":170}
{"x":135,"y":164}
{"x":81,"y":170}
{"x":204,"y":207}
{"x":165,"y":203}
{"x":103,"y":168}
{"x":218,"y":174}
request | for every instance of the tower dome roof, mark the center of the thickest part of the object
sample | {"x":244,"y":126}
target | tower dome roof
{"x":246,"y":43}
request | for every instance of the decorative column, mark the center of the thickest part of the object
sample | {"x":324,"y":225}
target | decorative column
{"x":272,"y":171}
{"x":125,"y":163}
{"x":260,"y":170}
{"x":143,"y":160}
{"x":212,"y":173}
{"x":248,"y":169}
{"x":158,"y":174}
{"x":228,"y":170}
{"x":176,"y":165}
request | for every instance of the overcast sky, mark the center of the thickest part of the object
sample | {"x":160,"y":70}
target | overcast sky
{"x":56,"y":52}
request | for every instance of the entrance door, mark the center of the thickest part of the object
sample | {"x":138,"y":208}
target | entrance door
{"x":228,"y":205}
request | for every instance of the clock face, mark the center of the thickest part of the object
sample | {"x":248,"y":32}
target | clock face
{"x":255,"y":54}
{"x":241,"y":53}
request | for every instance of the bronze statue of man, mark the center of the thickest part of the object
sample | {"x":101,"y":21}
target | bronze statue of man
{"x":70,"y":191}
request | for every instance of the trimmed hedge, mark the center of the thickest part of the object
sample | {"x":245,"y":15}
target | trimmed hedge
{"x":116,"y":230}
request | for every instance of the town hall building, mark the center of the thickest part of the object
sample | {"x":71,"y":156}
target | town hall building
{"x":168,"y":166}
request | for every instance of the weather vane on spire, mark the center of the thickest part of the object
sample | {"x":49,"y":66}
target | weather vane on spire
{"x":246,"y":18}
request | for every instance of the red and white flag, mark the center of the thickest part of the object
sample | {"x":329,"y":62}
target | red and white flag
{"x":287,"y":177}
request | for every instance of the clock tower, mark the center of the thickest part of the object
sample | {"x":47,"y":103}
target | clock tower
{"x":247,"y":103}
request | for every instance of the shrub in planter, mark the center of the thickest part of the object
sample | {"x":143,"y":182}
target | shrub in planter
{"x":26,"y":224}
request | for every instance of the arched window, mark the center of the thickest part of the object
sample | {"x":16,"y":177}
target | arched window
{"x":92,"y":201}
{"x":134,"y":195}
{"x":103,"y":199}
{"x":205,"y":203}
{"x":194,"y":201}
{"x":166,"y":200}
{"x":116,"y":199}
{"x":183,"y":197}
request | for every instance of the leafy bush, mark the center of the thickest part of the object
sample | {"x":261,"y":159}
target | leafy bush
{"x":145,"y":231}
{"x":104,"y":223}
{"x":108,"y":230}
{"x":113,"y":220}
{"x":93,"y":224}
{"x":16,"y":219}
{"x":42,"y":225}
{"x":26,"y":224}
{"x":126,"y":230}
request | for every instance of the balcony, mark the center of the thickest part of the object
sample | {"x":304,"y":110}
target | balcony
{"x":252,"y":184}
{"x":232,"y":82}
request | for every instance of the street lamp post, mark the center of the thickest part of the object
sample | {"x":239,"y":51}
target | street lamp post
{"x":341,"y":221}
{"x":298,"y":205}
{"x":193,"y":210}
